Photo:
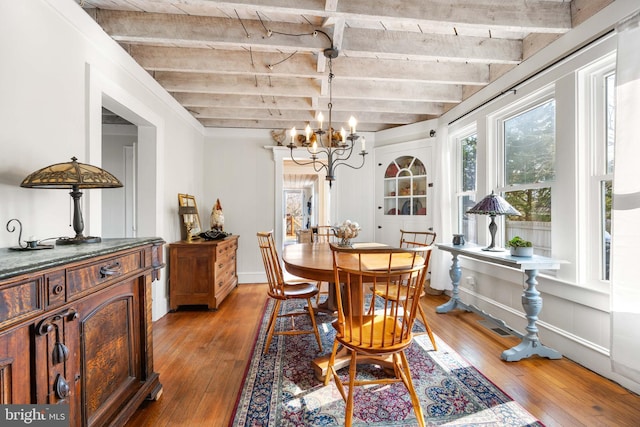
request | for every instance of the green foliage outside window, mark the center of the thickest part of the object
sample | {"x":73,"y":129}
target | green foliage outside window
{"x":530,"y":159}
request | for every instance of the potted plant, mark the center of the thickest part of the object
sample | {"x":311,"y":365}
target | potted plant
{"x":520,"y":247}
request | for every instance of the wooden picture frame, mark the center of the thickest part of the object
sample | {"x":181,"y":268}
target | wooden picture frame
{"x":188,"y":200}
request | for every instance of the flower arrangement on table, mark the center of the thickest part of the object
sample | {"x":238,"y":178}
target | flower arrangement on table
{"x":346,"y":231}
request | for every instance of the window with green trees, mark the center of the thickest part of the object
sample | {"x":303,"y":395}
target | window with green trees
{"x":466,"y":193}
{"x":529,"y":170}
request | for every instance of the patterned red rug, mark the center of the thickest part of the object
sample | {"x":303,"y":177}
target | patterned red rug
{"x":280,"y":388}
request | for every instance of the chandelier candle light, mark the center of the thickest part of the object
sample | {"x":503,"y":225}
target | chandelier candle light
{"x":335,"y":150}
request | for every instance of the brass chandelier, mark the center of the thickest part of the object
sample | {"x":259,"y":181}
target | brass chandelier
{"x":329,"y":148}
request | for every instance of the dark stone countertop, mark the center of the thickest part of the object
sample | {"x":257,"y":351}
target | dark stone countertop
{"x":17,"y":262}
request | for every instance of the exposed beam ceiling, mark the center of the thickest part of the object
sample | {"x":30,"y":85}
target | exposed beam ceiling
{"x":251,"y":64}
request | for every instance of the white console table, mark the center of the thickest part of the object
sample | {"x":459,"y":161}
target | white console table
{"x":531,"y":300}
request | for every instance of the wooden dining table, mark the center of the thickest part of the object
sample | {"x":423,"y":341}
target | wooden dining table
{"x":314,"y":261}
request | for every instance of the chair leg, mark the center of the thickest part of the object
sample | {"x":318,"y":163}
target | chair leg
{"x":406,"y":379}
{"x":331,"y":371}
{"x":348,"y":417}
{"x":427,"y":327}
{"x":272,"y":325}
{"x":313,"y":322}
{"x":318,"y":284}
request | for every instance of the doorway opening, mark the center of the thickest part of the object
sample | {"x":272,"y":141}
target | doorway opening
{"x":304,"y":199}
{"x":127,"y":137}
{"x":119,"y":152}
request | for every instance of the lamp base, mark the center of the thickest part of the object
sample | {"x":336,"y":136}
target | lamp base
{"x":494,"y":249}
{"x":77,"y":240}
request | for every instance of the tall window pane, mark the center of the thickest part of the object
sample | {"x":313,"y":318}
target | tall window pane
{"x":529,"y":159}
{"x":606,"y":185}
{"x":468,"y":146}
{"x":610,"y":84}
{"x":529,"y":143}
{"x":607,"y":191}
{"x":467,"y":224}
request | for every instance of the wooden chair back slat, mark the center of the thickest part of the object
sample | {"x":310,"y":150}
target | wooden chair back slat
{"x":411,"y":239}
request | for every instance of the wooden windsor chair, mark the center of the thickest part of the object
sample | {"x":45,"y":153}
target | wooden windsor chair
{"x":282,"y":291}
{"x":416,"y":240}
{"x":384,"y":333}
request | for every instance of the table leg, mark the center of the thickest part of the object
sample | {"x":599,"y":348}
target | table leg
{"x":455,"y":302}
{"x":330,"y":304}
{"x":343,"y":358}
{"x":530,"y":345}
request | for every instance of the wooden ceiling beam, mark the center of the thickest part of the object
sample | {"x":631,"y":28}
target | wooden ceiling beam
{"x":229,"y":34}
{"x":154,"y":58}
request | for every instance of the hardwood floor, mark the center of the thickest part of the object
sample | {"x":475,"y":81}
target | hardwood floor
{"x":201,"y":357}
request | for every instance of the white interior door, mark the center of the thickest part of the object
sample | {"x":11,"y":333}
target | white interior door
{"x":404,"y":191}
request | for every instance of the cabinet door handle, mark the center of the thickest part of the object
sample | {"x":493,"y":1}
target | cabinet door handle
{"x":110,"y":270}
{"x":61,"y":387}
{"x":379,"y":226}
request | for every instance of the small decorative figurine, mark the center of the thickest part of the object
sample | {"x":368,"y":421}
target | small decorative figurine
{"x":217,"y":217}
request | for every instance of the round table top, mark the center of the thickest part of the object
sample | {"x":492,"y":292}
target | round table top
{"x":309,"y":260}
{"x":314,"y":261}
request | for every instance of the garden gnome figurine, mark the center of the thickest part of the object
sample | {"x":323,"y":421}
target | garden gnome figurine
{"x":217,"y":217}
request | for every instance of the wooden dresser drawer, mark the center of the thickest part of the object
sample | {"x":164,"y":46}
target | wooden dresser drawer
{"x":56,"y":288}
{"x":20,"y":299}
{"x":85,"y":278}
{"x":225,"y":276}
{"x":224,"y":249}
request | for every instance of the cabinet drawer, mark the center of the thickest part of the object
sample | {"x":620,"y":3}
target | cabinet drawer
{"x":85,"y":278}
{"x":225,"y":248}
{"x":55,"y":288}
{"x":225,"y":277}
{"x":19,"y":300}
{"x":225,"y":260}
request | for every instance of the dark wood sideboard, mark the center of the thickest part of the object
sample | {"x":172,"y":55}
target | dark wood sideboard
{"x":94,"y":300}
{"x":202,"y":272}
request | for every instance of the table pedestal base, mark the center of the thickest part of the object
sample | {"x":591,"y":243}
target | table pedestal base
{"x":343,"y":358}
{"x":528,"y":348}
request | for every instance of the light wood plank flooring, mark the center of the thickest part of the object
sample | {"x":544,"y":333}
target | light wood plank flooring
{"x":201,"y":357}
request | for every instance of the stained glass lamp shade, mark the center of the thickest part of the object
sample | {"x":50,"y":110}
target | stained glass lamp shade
{"x":76,"y":176}
{"x":493,"y":205}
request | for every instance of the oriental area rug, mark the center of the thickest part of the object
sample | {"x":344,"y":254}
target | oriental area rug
{"x":281,"y":390}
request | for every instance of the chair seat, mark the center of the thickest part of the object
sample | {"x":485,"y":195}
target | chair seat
{"x":299,"y":290}
{"x":386,"y":329}
{"x":393,"y":294}
{"x":290,"y":278}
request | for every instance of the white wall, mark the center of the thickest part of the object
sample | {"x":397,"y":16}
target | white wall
{"x":58,"y":66}
{"x":240,"y":172}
